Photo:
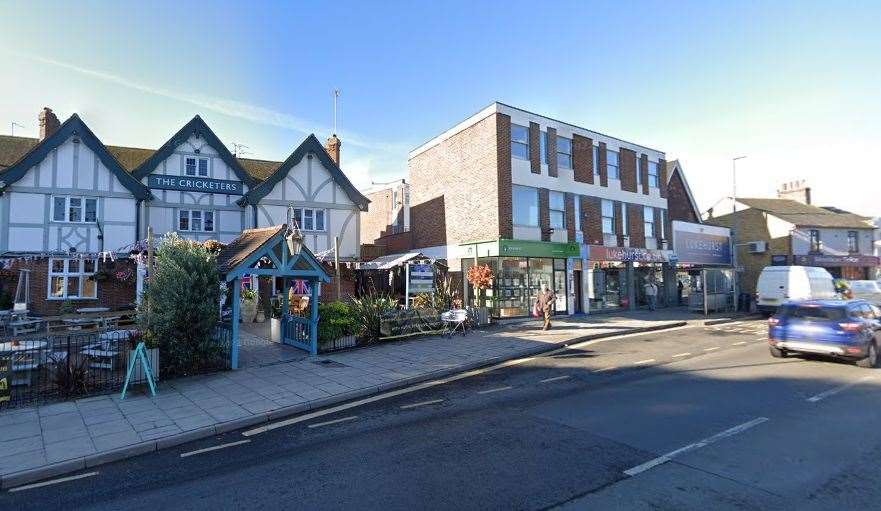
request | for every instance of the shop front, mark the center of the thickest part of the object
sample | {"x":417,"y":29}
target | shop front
{"x":519,"y":268}
{"x":848,"y":267}
{"x":617,"y":277}
{"x":704,"y":273}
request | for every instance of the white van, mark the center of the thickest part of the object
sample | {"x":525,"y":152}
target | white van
{"x":778,"y":284}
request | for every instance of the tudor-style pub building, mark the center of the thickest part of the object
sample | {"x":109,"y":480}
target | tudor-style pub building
{"x":71,"y":207}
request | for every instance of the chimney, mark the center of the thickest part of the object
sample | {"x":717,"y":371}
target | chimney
{"x":48,"y":123}
{"x":798,"y":191}
{"x":332,"y":146}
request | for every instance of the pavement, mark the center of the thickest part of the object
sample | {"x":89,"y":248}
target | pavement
{"x":695,"y":417}
{"x":46,"y":441}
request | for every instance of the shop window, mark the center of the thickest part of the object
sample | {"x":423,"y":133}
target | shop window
{"x":74,"y":209}
{"x":72,"y":279}
{"x":608,"y":213}
{"x":612,"y":165}
{"x":195,"y":166}
{"x":654,"y":180}
{"x":557,"y":206}
{"x":310,"y":219}
{"x":564,"y":153}
{"x":519,"y":142}
{"x":195,"y":220}
{"x":648,"y":220}
{"x":853,"y":242}
{"x":815,"y":240}
{"x":525,"y":205}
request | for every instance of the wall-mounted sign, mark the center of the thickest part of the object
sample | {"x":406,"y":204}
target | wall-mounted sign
{"x":520,"y":248}
{"x":627,"y":254}
{"x":195,"y":184}
{"x":834,"y":260}
{"x":779,"y":260}
{"x":701,"y":244}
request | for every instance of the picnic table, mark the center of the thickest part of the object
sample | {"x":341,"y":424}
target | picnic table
{"x":106,"y":353}
{"x":24,"y":356}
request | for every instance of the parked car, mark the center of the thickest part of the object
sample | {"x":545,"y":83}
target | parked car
{"x":849,"y":329}
{"x":868,"y":290}
{"x":778,"y":284}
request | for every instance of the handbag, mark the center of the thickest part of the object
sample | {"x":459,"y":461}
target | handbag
{"x":535,"y":310}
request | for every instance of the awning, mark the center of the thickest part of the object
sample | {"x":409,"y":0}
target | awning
{"x":388,"y":262}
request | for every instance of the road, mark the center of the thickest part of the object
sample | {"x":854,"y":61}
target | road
{"x":691,"y":418}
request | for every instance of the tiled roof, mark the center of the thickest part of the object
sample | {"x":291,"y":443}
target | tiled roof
{"x":798,"y":213}
{"x":246,"y":244}
{"x":13,"y":149}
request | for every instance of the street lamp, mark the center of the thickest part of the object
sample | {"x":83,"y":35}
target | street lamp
{"x":734,"y":225}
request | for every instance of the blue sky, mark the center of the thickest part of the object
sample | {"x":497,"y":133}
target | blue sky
{"x":791,"y":85}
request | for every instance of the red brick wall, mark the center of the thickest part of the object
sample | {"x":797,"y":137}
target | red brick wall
{"x":678,"y":205}
{"x":552,"y":152}
{"x":376,"y":219}
{"x":662,"y":177}
{"x":570,"y":216}
{"x":634,"y":222}
{"x":582,"y":158}
{"x":591,"y":221}
{"x":460,"y":189}
{"x":604,"y":173}
{"x":644,"y":175}
{"x":544,"y":216}
{"x":627,"y":162}
{"x":347,"y":285}
{"x":535,"y":148}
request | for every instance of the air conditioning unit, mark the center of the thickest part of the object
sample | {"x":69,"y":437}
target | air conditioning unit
{"x":757,"y":247}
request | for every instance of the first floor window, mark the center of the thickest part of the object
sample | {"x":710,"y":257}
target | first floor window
{"x":576,"y":208}
{"x":74,"y":209}
{"x":195,"y":166}
{"x":195,"y":220}
{"x":648,"y":219}
{"x":654,"y":179}
{"x":815,"y":240}
{"x":557,"y":207}
{"x":608,"y":213}
{"x":309,"y":219}
{"x":525,"y":205}
{"x":612,"y":165}
{"x":638,"y":172}
{"x":624,"y":227}
{"x":596,"y":164}
{"x":543,"y":147}
{"x":520,"y":142}
{"x":72,"y":278}
{"x":853,"y":242}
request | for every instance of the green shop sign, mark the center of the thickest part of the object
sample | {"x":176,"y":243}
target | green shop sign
{"x":521,"y":248}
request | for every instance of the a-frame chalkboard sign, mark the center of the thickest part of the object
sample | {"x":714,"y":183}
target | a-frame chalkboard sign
{"x":140,"y":354}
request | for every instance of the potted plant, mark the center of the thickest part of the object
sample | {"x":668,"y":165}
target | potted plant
{"x":249,"y":304}
{"x":275,"y":320}
{"x":481,"y":277}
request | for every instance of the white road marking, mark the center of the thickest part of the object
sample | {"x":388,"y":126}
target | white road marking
{"x":422,"y":403}
{"x":741,"y":343}
{"x":556,"y":378}
{"x":831,"y":392}
{"x":681,"y":355}
{"x":713,"y":348}
{"x":213,"y":448}
{"x":697,"y":445}
{"x":335,"y":421}
{"x":52,"y":481}
{"x":497,"y":389}
{"x":433,"y":383}
{"x":646,"y":361}
{"x":610,"y":368}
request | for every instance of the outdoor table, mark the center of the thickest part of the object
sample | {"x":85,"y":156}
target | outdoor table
{"x":24,"y":326}
{"x":78,"y":323}
{"x":26,"y":361}
{"x":89,"y":310}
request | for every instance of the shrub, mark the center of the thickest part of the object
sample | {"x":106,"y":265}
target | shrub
{"x":368,"y":312}
{"x":180,"y":304}
{"x":335,"y":321}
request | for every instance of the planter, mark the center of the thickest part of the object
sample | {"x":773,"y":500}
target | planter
{"x":348,"y":341}
{"x":249,"y":310}
{"x":483,"y":316}
{"x":138,"y":375}
{"x":275,"y":329}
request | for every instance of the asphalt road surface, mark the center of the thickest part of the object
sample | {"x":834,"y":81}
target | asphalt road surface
{"x":691,"y":418}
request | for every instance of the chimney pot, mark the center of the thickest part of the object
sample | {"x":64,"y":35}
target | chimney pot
{"x":49,"y":123}
{"x":332,"y":146}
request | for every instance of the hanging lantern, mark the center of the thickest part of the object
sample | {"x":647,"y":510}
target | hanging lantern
{"x":293,"y":237}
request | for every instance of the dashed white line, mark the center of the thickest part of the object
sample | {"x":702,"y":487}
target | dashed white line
{"x":603,"y":369}
{"x":335,"y":421}
{"x":556,"y":378}
{"x":497,"y":389}
{"x":642,"y":362}
{"x":686,"y":354}
{"x":52,"y":481}
{"x":831,"y":392}
{"x":421,"y":403}
{"x":741,"y":343}
{"x":697,"y":445}
{"x":213,"y":448}
{"x":713,"y":348}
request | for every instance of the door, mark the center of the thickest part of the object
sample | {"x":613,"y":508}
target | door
{"x":576,"y":276}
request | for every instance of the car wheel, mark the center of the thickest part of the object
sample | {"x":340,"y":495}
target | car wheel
{"x":777,"y":352}
{"x":871,"y":359}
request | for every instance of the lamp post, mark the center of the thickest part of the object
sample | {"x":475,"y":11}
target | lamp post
{"x":734,"y":224}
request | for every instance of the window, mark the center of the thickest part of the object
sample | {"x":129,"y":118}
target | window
{"x":519,"y":142}
{"x":194,"y":220}
{"x":663,"y":224}
{"x":543,"y":148}
{"x":612,"y":165}
{"x":564,"y":153}
{"x":625,"y":231}
{"x":557,"y":206}
{"x":853,"y":242}
{"x":72,"y":279}
{"x":608,"y":213}
{"x":648,"y":220}
{"x":654,"y":181}
{"x":576,"y":208}
{"x":74,"y":209}
{"x":525,"y":202}
{"x":195,"y":166}
{"x":815,"y":240}
{"x":638,"y":172}
{"x":596,"y":164}
{"x":310,"y":219}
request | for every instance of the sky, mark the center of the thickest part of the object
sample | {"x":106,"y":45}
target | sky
{"x":793,"y":86}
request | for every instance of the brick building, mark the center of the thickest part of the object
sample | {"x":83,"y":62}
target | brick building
{"x":385,"y":227}
{"x":544,"y":201}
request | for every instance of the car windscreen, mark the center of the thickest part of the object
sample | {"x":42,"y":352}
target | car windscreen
{"x":813,"y":313}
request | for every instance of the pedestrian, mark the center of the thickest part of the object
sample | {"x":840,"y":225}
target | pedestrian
{"x":679,"y":289}
{"x":544,"y":302}
{"x":651,"y":293}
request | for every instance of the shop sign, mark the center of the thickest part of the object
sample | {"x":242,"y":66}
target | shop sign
{"x":701,"y":244}
{"x":779,"y":260}
{"x":538,"y":249}
{"x":627,"y":254}
{"x":195,"y":184}
{"x":834,"y":260}
{"x":421,"y":279}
